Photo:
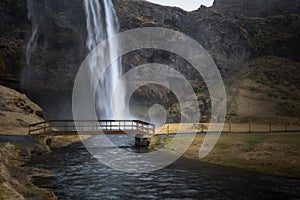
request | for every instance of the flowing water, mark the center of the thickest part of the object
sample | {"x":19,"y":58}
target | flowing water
{"x":102,"y":23}
{"x":80,"y":176}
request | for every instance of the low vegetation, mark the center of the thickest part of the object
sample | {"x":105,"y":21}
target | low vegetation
{"x":276,"y":153}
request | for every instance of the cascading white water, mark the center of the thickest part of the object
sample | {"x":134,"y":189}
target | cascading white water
{"x":102,"y":23}
{"x":34,"y":17}
{"x":33,"y":13}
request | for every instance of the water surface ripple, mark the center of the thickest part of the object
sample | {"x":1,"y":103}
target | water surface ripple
{"x":80,"y":176}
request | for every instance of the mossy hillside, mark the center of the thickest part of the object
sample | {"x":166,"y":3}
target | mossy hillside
{"x":269,"y":86}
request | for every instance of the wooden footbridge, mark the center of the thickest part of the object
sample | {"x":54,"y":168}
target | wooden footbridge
{"x":91,"y":127}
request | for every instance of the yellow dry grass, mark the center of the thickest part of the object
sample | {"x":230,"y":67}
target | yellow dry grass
{"x":233,"y":127}
{"x":275,"y":153}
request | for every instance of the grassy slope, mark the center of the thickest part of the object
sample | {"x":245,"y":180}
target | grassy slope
{"x":17,"y":112}
{"x":274,"y":154}
{"x":266,"y":90}
{"x":267,"y":153}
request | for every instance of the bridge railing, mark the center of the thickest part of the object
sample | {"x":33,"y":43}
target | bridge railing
{"x":91,"y":126}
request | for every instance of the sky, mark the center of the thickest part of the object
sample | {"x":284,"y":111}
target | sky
{"x":188,"y":5}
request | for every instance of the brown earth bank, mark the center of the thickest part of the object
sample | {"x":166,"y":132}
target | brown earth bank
{"x":16,"y":180}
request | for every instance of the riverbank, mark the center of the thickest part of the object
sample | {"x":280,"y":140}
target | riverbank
{"x":276,"y":153}
{"x":270,"y":153}
{"x":15,"y":179}
{"x":79,"y":175}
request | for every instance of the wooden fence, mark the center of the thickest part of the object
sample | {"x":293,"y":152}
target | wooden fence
{"x":227,"y":128}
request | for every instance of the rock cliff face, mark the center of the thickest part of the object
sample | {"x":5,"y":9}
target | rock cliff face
{"x":60,"y":44}
{"x":226,"y":41}
{"x":257,"y":8}
{"x":233,"y":31}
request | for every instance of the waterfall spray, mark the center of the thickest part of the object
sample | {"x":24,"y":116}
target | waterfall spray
{"x":102,"y":23}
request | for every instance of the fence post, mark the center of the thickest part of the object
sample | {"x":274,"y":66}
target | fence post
{"x":168,"y":129}
{"x":229,"y":127}
{"x":249,"y":128}
{"x":286,"y":128}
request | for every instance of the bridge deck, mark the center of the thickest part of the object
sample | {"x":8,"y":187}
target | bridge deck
{"x":89,"y":127}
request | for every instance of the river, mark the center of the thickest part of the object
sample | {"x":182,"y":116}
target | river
{"x":80,"y":176}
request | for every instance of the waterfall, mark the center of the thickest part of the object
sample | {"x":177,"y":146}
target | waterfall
{"x":34,"y":11}
{"x":102,"y":23}
{"x":34,"y":16}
